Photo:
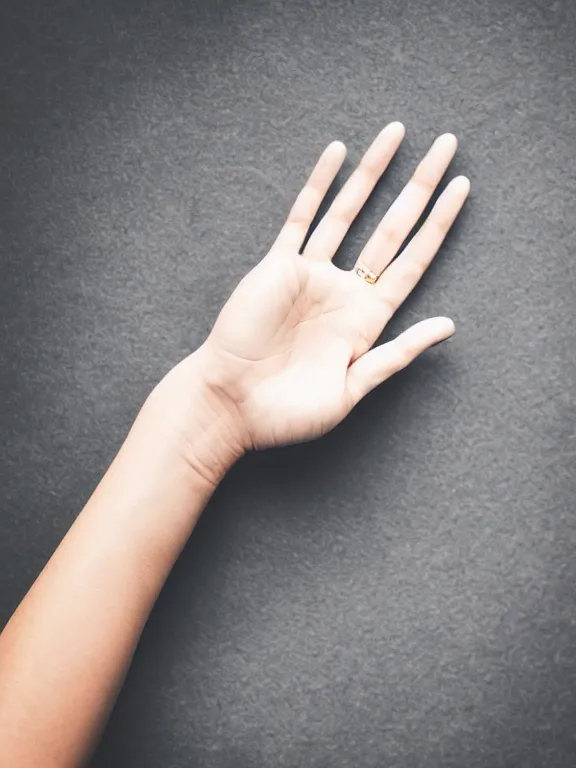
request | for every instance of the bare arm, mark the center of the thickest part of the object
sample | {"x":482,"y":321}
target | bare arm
{"x":65,"y":651}
{"x":289,"y":356}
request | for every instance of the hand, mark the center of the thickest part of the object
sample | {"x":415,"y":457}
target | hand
{"x":290,"y":354}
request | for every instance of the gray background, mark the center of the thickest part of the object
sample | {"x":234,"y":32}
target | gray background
{"x":400,"y":593}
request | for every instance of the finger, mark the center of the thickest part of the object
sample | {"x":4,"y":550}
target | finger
{"x":405,"y":211}
{"x":379,"y":363}
{"x":405,"y":272}
{"x":328,"y":235}
{"x":308,"y":201}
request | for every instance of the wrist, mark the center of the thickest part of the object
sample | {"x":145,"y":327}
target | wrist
{"x":200,"y":426}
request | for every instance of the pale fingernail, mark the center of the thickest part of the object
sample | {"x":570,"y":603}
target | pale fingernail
{"x":395,"y":127}
{"x":447,"y":138}
{"x":462,"y":181}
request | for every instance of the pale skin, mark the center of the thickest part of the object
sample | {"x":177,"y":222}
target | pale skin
{"x":289,"y":356}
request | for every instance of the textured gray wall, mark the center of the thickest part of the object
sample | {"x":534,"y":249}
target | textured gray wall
{"x":402,"y":592}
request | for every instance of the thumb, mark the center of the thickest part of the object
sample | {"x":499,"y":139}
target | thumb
{"x":380,"y":363}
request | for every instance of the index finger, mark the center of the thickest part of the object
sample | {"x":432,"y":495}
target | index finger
{"x":308,"y":202}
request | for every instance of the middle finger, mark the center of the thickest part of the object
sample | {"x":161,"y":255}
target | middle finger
{"x":330,"y":232}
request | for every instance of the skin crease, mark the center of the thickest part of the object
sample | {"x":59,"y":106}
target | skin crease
{"x":290,"y":355}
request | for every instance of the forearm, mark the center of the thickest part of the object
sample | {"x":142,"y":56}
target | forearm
{"x":65,"y":652}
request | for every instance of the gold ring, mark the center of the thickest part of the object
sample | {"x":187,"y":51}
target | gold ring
{"x":366,"y":274}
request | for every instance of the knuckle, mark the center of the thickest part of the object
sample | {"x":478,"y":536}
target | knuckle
{"x":411,"y":272}
{"x":389,"y":232}
{"x":344,"y":216}
{"x":441,"y":222}
{"x":425,"y":180}
{"x":404,"y":355}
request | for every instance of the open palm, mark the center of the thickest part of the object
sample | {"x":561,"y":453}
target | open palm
{"x":292,"y":348}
